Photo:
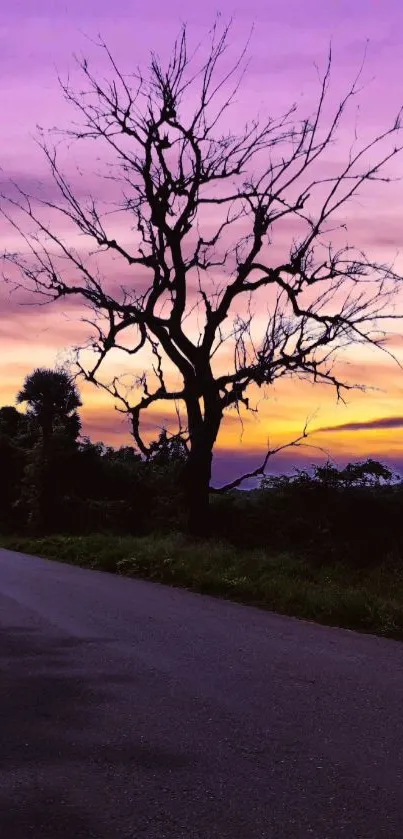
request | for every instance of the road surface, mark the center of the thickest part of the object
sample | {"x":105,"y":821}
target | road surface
{"x":128,"y":709}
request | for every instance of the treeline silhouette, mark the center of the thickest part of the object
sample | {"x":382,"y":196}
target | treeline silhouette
{"x":54,"y":481}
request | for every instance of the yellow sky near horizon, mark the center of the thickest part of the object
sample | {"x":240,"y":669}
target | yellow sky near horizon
{"x":281,"y":415}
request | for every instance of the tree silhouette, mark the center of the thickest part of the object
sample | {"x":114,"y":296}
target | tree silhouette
{"x":52,"y":398}
{"x":12,"y":422}
{"x":167,"y":449}
{"x":203,"y":205}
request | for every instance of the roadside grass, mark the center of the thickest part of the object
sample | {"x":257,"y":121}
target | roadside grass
{"x":368,"y":600}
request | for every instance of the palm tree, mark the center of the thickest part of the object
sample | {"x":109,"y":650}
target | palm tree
{"x":52,"y":399}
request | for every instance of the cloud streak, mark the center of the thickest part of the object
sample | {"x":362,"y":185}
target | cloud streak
{"x":364,"y":425}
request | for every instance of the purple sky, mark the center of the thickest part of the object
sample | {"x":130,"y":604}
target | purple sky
{"x":38,"y":39}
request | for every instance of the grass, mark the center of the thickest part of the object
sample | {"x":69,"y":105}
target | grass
{"x":365,"y":600}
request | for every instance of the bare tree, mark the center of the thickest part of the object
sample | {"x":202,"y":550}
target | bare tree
{"x":203,"y":205}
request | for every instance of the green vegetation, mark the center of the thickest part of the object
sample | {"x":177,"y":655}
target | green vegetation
{"x":369,"y":601}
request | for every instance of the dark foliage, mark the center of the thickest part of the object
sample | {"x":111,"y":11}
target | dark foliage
{"x":55,"y":482}
{"x":52,"y":398}
{"x":351,"y":515}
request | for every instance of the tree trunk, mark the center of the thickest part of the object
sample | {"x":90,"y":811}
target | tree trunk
{"x":198,"y":474}
{"x":203,"y":430}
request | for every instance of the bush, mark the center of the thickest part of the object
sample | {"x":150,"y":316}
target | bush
{"x":325,"y":523}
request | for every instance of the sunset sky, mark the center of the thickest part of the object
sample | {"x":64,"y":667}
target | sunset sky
{"x":38,"y":40}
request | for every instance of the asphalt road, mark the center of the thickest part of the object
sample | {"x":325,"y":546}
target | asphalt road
{"x":128,"y":709}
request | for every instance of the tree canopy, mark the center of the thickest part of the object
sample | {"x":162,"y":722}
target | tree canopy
{"x":52,"y":398}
